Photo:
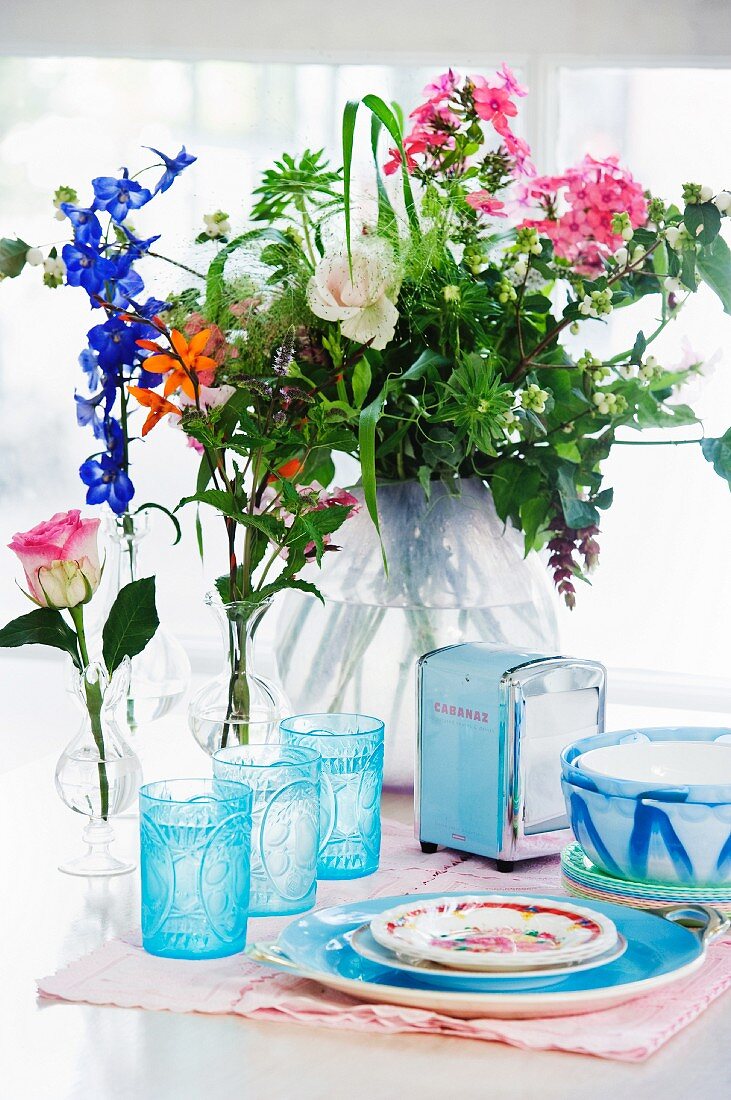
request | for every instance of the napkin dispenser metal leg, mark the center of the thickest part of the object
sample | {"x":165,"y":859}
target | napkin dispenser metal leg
{"x":491,"y":725}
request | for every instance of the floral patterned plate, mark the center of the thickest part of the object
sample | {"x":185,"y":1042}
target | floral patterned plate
{"x":447,"y":977}
{"x":494,"y":932}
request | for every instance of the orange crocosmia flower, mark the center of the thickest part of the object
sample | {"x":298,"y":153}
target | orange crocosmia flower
{"x":289,"y":469}
{"x":180,"y":370}
{"x":157,"y":405}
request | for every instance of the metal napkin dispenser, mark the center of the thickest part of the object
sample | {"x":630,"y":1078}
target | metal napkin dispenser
{"x":492,"y":723}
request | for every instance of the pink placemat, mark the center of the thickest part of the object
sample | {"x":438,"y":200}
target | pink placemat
{"x":121,"y":973}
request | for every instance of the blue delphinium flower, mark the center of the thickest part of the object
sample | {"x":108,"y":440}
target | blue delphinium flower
{"x":103,"y":264}
{"x":89,"y":363}
{"x":150,"y":308}
{"x":87,"y":227}
{"x":127,"y":283}
{"x":88,"y":411}
{"x":137,"y":246}
{"x":107,"y":482}
{"x":173,"y":167}
{"x":86,"y":267}
{"x":115,"y":343}
{"x":119,"y":196}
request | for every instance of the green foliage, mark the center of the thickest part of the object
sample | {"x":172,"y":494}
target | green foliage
{"x":718,"y":453}
{"x":714,"y":267}
{"x":43,"y":626}
{"x":131,"y":623}
{"x":12,"y":257}
{"x":292,"y":183}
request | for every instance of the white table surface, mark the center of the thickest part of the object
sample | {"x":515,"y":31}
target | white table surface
{"x":54,"y":1050}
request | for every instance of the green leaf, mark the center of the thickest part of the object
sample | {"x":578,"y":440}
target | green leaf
{"x":703,"y":221}
{"x":350,"y":113}
{"x":131,"y":623}
{"x":604,"y":499}
{"x":384,"y":113}
{"x":215,"y":276}
{"x":12,"y":256}
{"x":534,"y":519}
{"x":718,"y":453}
{"x":166,"y":511}
{"x":367,"y":424}
{"x":43,"y":626}
{"x":199,"y":533}
{"x":714,"y":267}
{"x":283,"y":583}
{"x":424,"y":476}
{"x":687,"y":270}
{"x":361,"y":381}
{"x":387,"y":224}
{"x":577,"y":513}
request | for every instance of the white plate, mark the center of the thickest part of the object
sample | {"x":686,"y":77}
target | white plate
{"x":658,"y":764}
{"x":495,"y":932}
{"x":363,"y":943}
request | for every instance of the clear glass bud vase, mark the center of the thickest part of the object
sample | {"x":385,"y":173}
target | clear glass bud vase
{"x":240,"y":706}
{"x":160,"y":674}
{"x":98,"y":775}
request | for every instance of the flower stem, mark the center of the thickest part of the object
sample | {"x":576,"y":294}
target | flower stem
{"x":177,"y":263}
{"x":94,"y":700}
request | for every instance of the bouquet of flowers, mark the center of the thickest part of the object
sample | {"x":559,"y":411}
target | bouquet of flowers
{"x":425,"y":334}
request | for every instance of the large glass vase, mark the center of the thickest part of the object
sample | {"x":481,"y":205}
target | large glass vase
{"x":456,"y":573}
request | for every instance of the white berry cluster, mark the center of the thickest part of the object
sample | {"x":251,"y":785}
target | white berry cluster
{"x":596,"y":304}
{"x":622,"y":226}
{"x":610,"y":404}
{"x":646,"y":372}
{"x":593,"y":366}
{"x":217,"y":224}
{"x":63,"y":194}
{"x":533,"y":398}
{"x":54,"y":268}
{"x":505,"y":292}
{"x":527,"y":242}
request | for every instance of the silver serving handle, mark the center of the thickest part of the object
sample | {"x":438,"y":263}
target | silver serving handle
{"x":705,"y":922}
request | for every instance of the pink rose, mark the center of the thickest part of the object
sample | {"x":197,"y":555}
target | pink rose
{"x":60,"y":559}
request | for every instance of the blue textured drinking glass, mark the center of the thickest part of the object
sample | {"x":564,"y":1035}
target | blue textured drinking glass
{"x":351,"y":748}
{"x":195,"y":838}
{"x":285,"y":787}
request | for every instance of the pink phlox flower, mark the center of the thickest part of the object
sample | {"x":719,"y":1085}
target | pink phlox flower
{"x":580,"y":206}
{"x":491,"y":103}
{"x":519,"y":150}
{"x":442,"y":88}
{"x":510,"y":81}
{"x":485,"y":203}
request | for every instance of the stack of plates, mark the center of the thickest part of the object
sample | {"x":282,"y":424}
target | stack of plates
{"x":548,"y":956}
{"x":499,"y":935}
{"x":583,"y":879}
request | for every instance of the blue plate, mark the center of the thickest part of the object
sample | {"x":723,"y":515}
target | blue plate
{"x":316,"y":943}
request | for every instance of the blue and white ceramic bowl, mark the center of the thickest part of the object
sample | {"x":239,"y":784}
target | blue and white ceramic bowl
{"x":676,"y":787}
{"x":650,"y":840}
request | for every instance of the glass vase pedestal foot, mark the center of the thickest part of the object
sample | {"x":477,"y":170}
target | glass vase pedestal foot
{"x":97,"y":860}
